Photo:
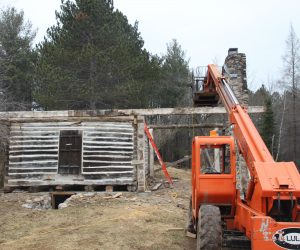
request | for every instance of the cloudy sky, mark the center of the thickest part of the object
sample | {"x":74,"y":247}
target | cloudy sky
{"x":205,"y":29}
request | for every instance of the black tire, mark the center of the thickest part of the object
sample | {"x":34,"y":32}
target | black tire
{"x":209,"y":228}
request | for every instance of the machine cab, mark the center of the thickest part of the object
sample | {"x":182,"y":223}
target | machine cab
{"x":214,"y":172}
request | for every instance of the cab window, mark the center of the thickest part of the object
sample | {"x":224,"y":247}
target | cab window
{"x":215,"y":159}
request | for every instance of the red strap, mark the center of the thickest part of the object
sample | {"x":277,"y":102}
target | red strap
{"x":163,"y":165}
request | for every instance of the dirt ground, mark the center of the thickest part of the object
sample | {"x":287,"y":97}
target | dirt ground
{"x":133,"y":221}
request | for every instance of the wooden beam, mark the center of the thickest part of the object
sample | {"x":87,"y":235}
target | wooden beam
{"x":60,"y":118}
{"x":151,"y":155}
{"x":186,"y":111}
{"x":174,"y":126}
{"x":140,"y":154}
{"x":175,"y":163}
{"x":60,"y":181}
{"x":112,"y":114}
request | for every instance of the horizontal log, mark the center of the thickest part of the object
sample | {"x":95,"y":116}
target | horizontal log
{"x":108,"y":172}
{"x":62,"y":118}
{"x":187,"y":111}
{"x":33,"y":132}
{"x":76,"y":124}
{"x":108,"y":167}
{"x":24,"y":158}
{"x":40,"y":168}
{"x":175,"y":163}
{"x":107,"y":152}
{"x":107,"y":138}
{"x":106,"y":132}
{"x":107,"y":162}
{"x":105,"y":156}
{"x":54,"y":129}
{"x":33,"y":141}
{"x":33,"y":162}
{"x":55,"y":134}
{"x":118,"y":162}
{"x":107,"y":142}
{"x":37,"y":137}
{"x":31,"y":173}
{"x":59,"y":181}
{"x":34,"y":165}
{"x":28,"y":156}
{"x":96,"y":170}
{"x":35,"y":146}
{"x":174,"y":126}
{"x":116,"y":113}
{"x":112,"y":147}
{"x":33,"y":150}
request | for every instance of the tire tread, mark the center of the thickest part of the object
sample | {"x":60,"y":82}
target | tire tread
{"x":209,"y":229}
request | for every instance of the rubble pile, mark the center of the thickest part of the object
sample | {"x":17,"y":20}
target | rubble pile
{"x":42,"y":202}
{"x":87,"y":198}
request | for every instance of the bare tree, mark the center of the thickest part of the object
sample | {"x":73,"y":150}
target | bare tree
{"x":291,"y":79}
{"x":281,"y":127}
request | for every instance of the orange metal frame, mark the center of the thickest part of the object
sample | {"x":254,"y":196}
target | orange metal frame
{"x":269,"y":181}
{"x":206,"y":187}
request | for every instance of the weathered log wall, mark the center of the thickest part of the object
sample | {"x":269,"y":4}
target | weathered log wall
{"x":113,"y":147}
{"x":107,"y":151}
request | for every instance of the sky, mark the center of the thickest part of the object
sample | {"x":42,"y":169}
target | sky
{"x":204,"y":29}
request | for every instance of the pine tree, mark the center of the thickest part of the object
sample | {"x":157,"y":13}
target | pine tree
{"x":176,"y":74}
{"x":16,"y":60}
{"x":92,"y":58}
{"x":268,"y":125}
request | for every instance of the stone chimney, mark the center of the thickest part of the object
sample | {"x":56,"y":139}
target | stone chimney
{"x":232,"y":51}
{"x":234,"y":70}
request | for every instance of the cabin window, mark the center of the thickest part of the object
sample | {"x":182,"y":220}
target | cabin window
{"x":70,"y":152}
{"x":215,"y":159}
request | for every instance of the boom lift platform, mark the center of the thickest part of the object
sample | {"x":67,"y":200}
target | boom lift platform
{"x":269,"y":214}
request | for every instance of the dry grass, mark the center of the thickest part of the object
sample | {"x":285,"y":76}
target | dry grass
{"x":134,"y":221}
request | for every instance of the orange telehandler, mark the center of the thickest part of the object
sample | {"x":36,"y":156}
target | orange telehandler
{"x":267,"y":214}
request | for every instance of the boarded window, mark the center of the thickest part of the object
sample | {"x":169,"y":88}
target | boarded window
{"x":70,"y":151}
